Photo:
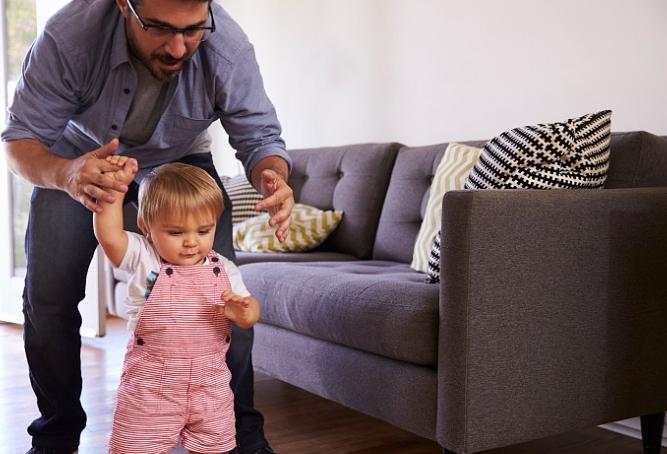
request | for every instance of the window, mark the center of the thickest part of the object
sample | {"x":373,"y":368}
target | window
{"x":21,"y":29}
{"x":20,"y":21}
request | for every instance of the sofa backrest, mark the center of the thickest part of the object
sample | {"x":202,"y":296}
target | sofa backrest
{"x":350,"y":178}
{"x":637,"y":159}
{"x":405,"y":204}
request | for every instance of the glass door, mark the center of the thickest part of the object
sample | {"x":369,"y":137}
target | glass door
{"x":21,"y":19}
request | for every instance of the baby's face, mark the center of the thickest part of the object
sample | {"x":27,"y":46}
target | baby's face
{"x":183,"y":240}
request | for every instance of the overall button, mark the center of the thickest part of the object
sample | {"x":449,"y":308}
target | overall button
{"x":227,"y":339}
{"x":140,"y":341}
{"x":169,"y":271}
{"x":216,"y":270}
{"x":215,"y":259}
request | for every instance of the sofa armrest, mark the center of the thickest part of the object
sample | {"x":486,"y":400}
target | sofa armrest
{"x":553,"y":308}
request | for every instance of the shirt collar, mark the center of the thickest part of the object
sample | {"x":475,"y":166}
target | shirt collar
{"x":119,"y":50}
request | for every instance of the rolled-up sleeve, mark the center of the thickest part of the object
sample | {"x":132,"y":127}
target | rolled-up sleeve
{"x":44,"y":100}
{"x":248,"y":115}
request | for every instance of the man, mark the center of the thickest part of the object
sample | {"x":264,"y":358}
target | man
{"x":143,"y":78}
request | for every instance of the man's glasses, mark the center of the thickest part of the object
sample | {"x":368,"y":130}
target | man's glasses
{"x":165,"y":32}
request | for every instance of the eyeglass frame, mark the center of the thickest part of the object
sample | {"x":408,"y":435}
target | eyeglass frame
{"x":173,"y":30}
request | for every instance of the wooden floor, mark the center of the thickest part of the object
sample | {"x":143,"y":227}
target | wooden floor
{"x":297,"y":422}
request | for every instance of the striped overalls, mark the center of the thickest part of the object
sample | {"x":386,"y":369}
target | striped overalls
{"x":175,"y":381}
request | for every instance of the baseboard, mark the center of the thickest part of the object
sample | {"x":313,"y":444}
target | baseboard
{"x":632,"y":428}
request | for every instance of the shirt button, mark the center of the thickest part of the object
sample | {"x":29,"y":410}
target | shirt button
{"x":126,"y":91}
{"x":114,"y":127}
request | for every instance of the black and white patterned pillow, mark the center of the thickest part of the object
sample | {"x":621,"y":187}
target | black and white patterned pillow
{"x":570,"y":155}
{"x":244,"y":197}
{"x":433,"y":273}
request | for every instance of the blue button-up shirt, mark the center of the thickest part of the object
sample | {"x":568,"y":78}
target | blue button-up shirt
{"x":78,"y":83}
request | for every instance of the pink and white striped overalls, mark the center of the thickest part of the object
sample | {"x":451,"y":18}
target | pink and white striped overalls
{"x":175,"y":381}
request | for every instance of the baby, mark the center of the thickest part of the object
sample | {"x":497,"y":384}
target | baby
{"x":183,"y":297}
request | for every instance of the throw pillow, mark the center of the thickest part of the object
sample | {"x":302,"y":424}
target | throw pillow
{"x":569,"y":155}
{"x":310,"y":227}
{"x":434,"y":261}
{"x":243,"y":195}
{"x":451,"y":173}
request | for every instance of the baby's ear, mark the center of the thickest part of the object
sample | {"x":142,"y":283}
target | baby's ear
{"x":144,"y":229}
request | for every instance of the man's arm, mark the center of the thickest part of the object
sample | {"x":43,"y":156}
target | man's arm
{"x":82,"y":178}
{"x":53,"y":79}
{"x":254,"y":132}
{"x":275,"y":163}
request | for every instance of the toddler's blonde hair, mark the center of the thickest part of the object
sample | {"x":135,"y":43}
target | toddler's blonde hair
{"x":179,"y":189}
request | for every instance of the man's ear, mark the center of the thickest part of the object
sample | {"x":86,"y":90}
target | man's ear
{"x":122,"y":6}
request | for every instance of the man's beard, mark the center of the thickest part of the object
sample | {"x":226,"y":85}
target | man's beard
{"x":150,"y":61}
{"x":168,"y":59}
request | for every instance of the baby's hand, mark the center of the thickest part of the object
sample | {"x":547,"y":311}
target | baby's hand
{"x":242,"y":310}
{"x":127,"y":168}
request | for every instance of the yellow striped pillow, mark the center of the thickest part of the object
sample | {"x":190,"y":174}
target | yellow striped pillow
{"x":456,"y":163}
{"x":310,"y":227}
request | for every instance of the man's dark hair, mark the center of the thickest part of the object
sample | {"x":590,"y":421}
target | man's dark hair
{"x":139,"y":2}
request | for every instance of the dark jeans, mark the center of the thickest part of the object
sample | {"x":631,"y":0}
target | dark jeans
{"x":59,"y":247}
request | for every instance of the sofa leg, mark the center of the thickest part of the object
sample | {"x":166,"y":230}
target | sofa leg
{"x":652,"y":426}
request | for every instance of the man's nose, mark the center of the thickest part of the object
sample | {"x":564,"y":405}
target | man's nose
{"x":175,"y":46}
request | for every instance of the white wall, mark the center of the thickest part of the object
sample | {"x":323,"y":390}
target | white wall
{"x":46,"y":9}
{"x":429,"y":71}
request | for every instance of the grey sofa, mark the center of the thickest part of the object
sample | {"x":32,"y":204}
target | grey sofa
{"x":551,"y":314}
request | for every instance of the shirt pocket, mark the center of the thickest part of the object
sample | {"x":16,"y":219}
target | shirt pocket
{"x":179,"y":129}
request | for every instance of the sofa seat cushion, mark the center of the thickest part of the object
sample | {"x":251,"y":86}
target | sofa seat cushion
{"x":380,"y":307}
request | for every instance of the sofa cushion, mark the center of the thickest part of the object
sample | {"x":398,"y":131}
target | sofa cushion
{"x":352,"y":179}
{"x":375,"y":306}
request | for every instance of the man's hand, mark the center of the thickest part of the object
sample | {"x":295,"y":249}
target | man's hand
{"x":278,"y":200}
{"x":84,"y":178}
{"x":242,"y":310}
